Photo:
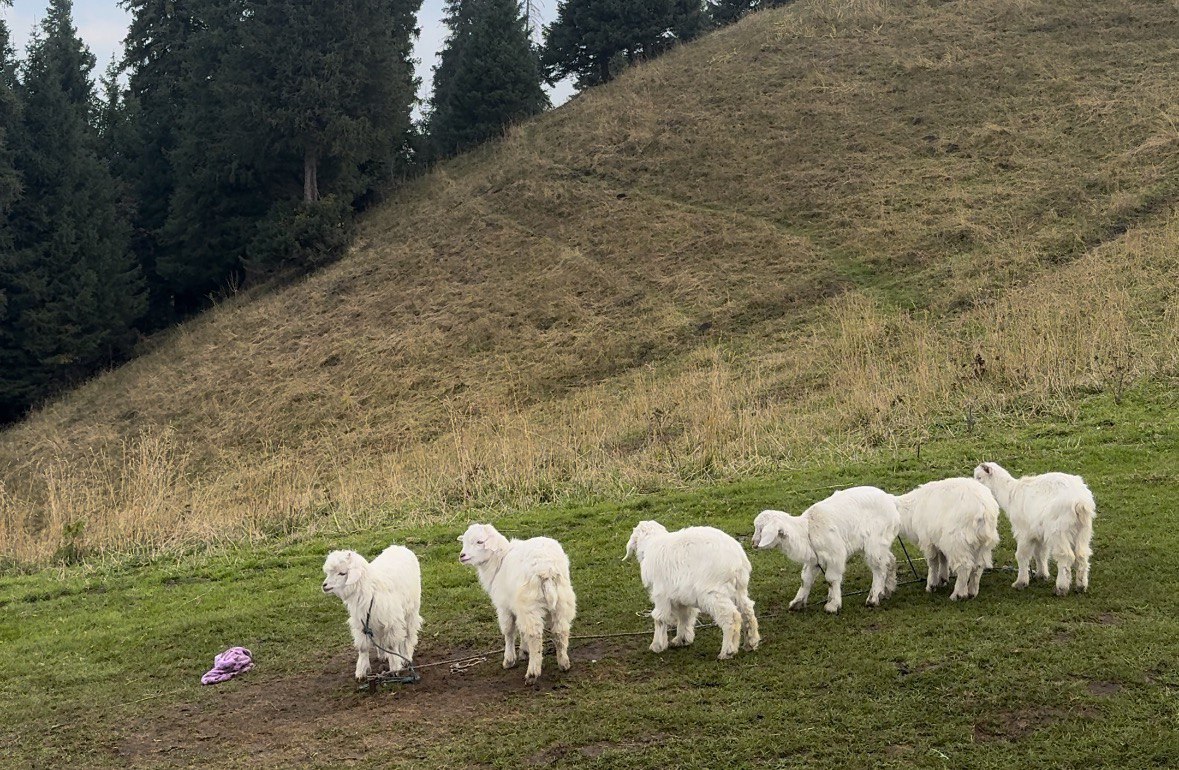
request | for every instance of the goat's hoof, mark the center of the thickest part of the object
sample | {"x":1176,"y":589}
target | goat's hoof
{"x":832,"y":608}
{"x":1061,"y":591}
{"x":657,"y":648}
{"x":797,"y":606}
{"x":531,"y":679}
{"x":564,"y":665}
{"x":725,"y":655}
{"x":751,"y":646}
{"x":1019,"y":585}
{"x":509,"y":663}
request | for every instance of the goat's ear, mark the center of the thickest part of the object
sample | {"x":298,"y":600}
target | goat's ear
{"x":769,"y":534}
{"x":630,"y":548}
{"x":494,"y":541}
{"x":354,"y":570}
{"x":986,"y":468}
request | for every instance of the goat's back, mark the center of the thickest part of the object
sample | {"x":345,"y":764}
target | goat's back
{"x":1051,"y":501}
{"x":396,"y":570}
{"x":942,"y":512}
{"x":856,"y":516}
{"x":694,"y":559}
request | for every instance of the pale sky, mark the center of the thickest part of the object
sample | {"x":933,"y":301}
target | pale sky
{"x":103,"y":25}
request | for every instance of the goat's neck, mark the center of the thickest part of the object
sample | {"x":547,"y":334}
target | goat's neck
{"x":1002,"y":486}
{"x":363,"y":595}
{"x":798,"y":545}
{"x":489,"y":569}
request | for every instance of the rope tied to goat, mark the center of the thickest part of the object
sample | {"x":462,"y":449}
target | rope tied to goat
{"x":389,"y":677}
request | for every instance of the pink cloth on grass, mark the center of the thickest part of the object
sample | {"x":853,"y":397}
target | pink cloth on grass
{"x":228,"y":664}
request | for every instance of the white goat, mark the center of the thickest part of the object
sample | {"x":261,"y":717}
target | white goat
{"x":1051,"y":515}
{"x":387,"y":594}
{"x":526,"y":579}
{"x":697,"y":569}
{"x":955,"y":523}
{"x":826,"y":534}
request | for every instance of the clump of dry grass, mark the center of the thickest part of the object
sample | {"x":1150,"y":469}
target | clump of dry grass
{"x":803,"y":237}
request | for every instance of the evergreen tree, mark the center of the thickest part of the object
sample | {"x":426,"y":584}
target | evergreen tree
{"x":115,"y":123}
{"x":728,"y":11}
{"x":689,"y":20}
{"x":72,"y":289}
{"x":9,"y":185}
{"x":9,"y":181}
{"x":487,"y":78}
{"x":725,"y":12}
{"x":332,"y":83}
{"x":218,"y":161}
{"x":155,"y":59}
{"x":592,"y":39}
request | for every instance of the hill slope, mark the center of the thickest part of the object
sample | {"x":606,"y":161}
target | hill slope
{"x":840,"y":225}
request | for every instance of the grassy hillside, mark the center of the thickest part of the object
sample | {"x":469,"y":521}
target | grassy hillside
{"x":843,"y":226}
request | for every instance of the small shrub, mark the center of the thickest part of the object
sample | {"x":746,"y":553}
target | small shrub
{"x":299,"y":236}
{"x":72,"y":549}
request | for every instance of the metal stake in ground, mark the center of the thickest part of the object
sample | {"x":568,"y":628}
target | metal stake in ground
{"x":388,"y":678}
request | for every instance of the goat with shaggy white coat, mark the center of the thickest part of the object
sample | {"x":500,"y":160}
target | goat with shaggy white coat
{"x":526,"y":580}
{"x":860,"y":519}
{"x":387,"y":594}
{"x":1051,"y":515}
{"x":694,"y":570}
{"x":955,"y":523}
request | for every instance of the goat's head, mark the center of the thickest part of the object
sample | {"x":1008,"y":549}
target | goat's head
{"x":769,"y":529}
{"x":987,"y":472}
{"x":481,"y":542}
{"x":341,"y":570}
{"x":642,"y":532}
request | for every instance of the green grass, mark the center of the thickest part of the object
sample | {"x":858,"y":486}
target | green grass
{"x":101,"y":663}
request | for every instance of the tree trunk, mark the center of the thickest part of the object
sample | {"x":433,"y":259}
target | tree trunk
{"x":310,"y":176}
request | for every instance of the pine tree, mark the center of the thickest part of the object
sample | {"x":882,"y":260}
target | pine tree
{"x":488,"y":76}
{"x":591,"y":39}
{"x":9,"y":181}
{"x":9,"y":191}
{"x":689,"y":20}
{"x":115,"y":122}
{"x":724,"y":12}
{"x":71,"y":286}
{"x":332,"y":83}
{"x":155,"y":59}
{"x":218,"y":161}
{"x":728,"y":11}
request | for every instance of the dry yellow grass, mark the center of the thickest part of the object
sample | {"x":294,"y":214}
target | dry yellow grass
{"x":811,"y":234}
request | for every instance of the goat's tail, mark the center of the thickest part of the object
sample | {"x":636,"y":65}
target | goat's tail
{"x":559,"y":599}
{"x":548,"y":589}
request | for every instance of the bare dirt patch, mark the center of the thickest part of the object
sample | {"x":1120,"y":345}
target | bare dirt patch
{"x":323,"y":716}
{"x":1104,"y":689}
{"x":1015,"y":725}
